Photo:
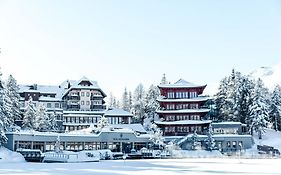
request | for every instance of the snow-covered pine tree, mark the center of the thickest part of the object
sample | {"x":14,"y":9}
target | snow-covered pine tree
{"x":57,"y":145}
{"x":103,"y":122}
{"x":150,"y":106}
{"x":151,"y":103}
{"x":3,"y":118}
{"x":52,"y":126}
{"x":210,"y":141}
{"x":3,"y":138}
{"x":194,"y":140}
{"x":111,"y":101}
{"x":41,"y":119}
{"x":12,"y":94}
{"x":233,"y":98}
{"x":245,"y":90}
{"x":221,"y":100}
{"x":275,"y":108}
{"x":29,"y":115}
{"x":139,"y":104}
{"x":233,"y":86}
{"x":7,"y":105}
{"x":130,"y":101}
{"x":258,"y":118}
{"x":157,"y":136}
{"x":125,"y":101}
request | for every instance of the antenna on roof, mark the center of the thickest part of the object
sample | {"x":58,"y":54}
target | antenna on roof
{"x":68,"y":85}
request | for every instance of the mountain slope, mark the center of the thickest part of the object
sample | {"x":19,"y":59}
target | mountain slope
{"x":271,"y":76}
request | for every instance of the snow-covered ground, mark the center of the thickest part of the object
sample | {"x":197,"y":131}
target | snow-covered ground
{"x":155,"y":166}
{"x":188,"y":162}
{"x":10,"y":156}
{"x":271,"y":138}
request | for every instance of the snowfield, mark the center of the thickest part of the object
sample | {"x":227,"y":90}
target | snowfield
{"x":153,"y":166}
{"x":188,"y":162}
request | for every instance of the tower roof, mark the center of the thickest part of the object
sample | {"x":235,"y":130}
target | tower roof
{"x":181,"y":83}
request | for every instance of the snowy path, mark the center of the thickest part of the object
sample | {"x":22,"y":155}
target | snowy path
{"x":154,"y":167}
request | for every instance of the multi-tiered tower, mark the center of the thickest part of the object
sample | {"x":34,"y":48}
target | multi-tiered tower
{"x":181,"y":109}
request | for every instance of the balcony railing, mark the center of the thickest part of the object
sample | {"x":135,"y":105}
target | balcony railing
{"x":73,"y":98}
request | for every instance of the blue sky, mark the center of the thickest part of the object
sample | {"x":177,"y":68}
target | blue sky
{"x":122,"y":43}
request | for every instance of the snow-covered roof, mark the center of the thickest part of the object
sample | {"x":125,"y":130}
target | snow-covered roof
{"x":197,"y":99}
{"x":181,"y":83}
{"x":230,"y":135}
{"x":184,"y":122}
{"x":83,"y":112}
{"x":122,"y":130}
{"x":51,"y":99}
{"x":135,"y":127}
{"x":117,"y":112}
{"x":183,"y":111}
{"x":43,"y":89}
{"x":227,"y":123}
{"x":76,"y":85}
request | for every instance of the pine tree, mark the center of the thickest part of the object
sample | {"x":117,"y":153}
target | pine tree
{"x":53,"y":126}
{"x":103,"y":122}
{"x":194,"y":140}
{"x":139,"y":104}
{"x":130,"y":101}
{"x":157,"y":136}
{"x":42,"y":119}
{"x":244,"y":99}
{"x":275,"y":108}
{"x":57,"y":145}
{"x":111,"y":100}
{"x":151,"y":103}
{"x":210,"y":141}
{"x":3,"y":119}
{"x":258,"y":118}
{"x":125,"y":101}
{"x":220,"y":100}
{"x":14,"y":98}
{"x":7,"y":105}
{"x":233,"y":98}
{"x":29,"y":115}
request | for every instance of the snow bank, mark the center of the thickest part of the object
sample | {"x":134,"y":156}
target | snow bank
{"x":196,"y":154}
{"x":10,"y":156}
{"x":270,"y":137}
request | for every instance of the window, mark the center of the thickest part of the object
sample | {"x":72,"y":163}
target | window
{"x":240,"y":144}
{"x":228,"y":144}
{"x":170,"y":95}
{"x":87,"y":103}
{"x":57,"y":105}
{"x":82,"y":94}
{"x":49,"y":105}
{"x":82,"y":102}
{"x":88,"y":94}
{"x":193,"y":94}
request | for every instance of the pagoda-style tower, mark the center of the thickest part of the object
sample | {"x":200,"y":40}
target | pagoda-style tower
{"x":181,"y":109}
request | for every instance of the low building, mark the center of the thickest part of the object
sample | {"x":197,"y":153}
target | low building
{"x":228,"y":136}
{"x":118,"y":116}
{"x":229,"y":128}
{"x":117,"y":139}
